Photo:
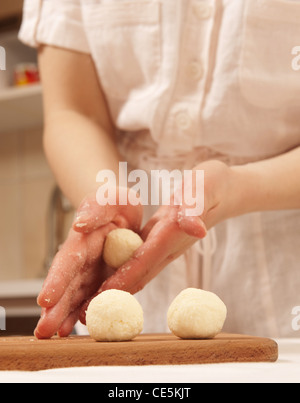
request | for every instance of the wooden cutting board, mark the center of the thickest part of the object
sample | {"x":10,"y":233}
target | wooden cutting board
{"x":30,"y":354}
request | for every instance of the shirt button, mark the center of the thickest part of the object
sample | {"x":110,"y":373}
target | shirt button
{"x":203,"y":11}
{"x":196,"y":71}
{"x":183,"y":120}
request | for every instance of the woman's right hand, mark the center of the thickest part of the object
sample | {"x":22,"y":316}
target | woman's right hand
{"x":78,"y":271}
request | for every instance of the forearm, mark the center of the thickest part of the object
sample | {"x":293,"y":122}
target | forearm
{"x":77,"y":148}
{"x":79,"y":134}
{"x":272,"y":184}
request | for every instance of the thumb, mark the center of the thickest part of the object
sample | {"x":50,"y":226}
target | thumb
{"x":91,"y":216}
{"x":94,"y":213}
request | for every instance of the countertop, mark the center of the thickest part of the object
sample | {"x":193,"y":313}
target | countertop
{"x":285,"y":370}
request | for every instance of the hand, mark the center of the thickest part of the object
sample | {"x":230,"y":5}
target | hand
{"x":170,"y":232}
{"x":78,"y":271}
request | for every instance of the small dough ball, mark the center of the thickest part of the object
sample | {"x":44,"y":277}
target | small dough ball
{"x":196,"y":314}
{"x":119,"y":247}
{"x":114,"y":315}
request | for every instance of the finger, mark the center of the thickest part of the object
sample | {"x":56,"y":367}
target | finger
{"x":92,"y":214}
{"x":66,"y":264}
{"x":53,"y":318}
{"x":68,"y":325}
{"x":79,"y":252}
{"x":60,"y":317}
{"x":192,"y":226}
{"x":159,"y":250}
{"x":82,"y":313}
{"x":149,"y":226}
{"x":47,"y":325}
{"x":169,"y":212}
{"x":141,"y":282}
{"x":107,"y":272}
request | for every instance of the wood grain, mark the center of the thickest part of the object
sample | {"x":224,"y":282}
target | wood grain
{"x":30,"y":354}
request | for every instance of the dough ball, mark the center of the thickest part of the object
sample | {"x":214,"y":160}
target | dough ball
{"x":119,"y":247}
{"x":196,"y":314}
{"x":114,"y":315}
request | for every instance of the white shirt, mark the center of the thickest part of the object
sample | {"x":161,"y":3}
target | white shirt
{"x":215,"y":74}
{"x":189,"y":80}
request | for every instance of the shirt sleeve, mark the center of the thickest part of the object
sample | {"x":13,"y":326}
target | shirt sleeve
{"x":54,"y":22}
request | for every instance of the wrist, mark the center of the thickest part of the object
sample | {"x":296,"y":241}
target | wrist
{"x":247,"y":185}
{"x":224,"y":192}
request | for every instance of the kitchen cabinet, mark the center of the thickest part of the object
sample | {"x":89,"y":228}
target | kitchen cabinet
{"x":21,"y":108}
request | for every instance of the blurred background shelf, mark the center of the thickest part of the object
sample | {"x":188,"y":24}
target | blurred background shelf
{"x":17,"y":93}
{"x":18,"y":298}
{"x":20,"y":289}
{"x":21,"y":108}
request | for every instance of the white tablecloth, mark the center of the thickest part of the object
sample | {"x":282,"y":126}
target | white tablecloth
{"x":285,"y":370}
